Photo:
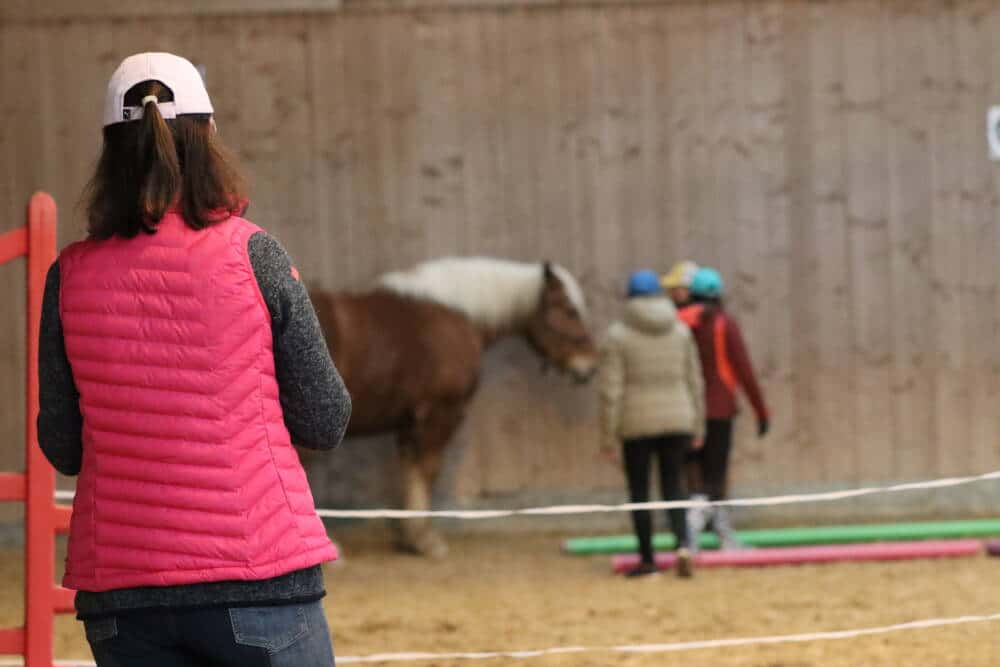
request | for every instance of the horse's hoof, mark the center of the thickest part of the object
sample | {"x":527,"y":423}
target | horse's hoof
{"x":427,"y":545}
{"x":431,"y":545}
{"x":437,"y":550}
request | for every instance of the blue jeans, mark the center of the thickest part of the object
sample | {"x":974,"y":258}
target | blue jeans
{"x":293,"y":635}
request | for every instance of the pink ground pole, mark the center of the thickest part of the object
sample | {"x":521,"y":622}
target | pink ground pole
{"x":993,"y":547}
{"x":833,"y":553}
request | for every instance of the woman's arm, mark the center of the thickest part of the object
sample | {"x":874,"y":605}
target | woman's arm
{"x":611,"y":378}
{"x":695,"y":384}
{"x":744,"y":370}
{"x":60,"y":423}
{"x":313,"y":397}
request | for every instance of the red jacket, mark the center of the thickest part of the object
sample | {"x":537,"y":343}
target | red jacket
{"x":725,"y":362}
{"x":189,"y":474}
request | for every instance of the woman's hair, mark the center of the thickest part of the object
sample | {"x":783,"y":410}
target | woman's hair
{"x":149,"y":164}
{"x":711,"y":306}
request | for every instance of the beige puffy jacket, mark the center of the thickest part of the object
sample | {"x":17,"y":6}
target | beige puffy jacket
{"x":650,"y":375}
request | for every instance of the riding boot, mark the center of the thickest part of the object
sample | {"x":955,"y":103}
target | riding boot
{"x":724,"y":529}
{"x":697,"y":519}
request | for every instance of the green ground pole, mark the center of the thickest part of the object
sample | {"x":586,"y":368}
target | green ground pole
{"x":791,"y":537}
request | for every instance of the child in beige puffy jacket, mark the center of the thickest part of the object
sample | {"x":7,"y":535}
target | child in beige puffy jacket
{"x":654,"y":403}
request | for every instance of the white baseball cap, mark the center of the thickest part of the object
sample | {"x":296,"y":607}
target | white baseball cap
{"x":174,"y":72}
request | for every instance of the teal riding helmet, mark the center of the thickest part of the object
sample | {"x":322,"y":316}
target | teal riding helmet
{"x":707,"y":284}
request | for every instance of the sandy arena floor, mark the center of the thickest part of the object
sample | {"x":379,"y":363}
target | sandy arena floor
{"x":513,"y":592}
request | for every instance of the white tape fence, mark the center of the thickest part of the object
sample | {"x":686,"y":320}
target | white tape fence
{"x":627,"y":648}
{"x":552,"y":510}
{"x":678,"y":646}
{"x":788,"y":499}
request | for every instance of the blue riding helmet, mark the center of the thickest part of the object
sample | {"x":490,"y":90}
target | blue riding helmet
{"x":644,"y":283}
{"x":707,"y":284}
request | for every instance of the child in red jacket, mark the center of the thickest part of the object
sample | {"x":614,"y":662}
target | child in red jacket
{"x":727,"y":368}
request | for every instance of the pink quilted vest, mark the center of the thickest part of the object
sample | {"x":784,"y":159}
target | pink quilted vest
{"x":188,"y":473}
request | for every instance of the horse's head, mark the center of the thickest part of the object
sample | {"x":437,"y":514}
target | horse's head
{"x":557,"y":329}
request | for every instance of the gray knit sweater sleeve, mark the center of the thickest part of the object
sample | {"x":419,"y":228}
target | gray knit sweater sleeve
{"x":60,"y":424}
{"x":314,"y":399}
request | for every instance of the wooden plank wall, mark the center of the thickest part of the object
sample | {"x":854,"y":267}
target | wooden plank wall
{"x":828,"y":156}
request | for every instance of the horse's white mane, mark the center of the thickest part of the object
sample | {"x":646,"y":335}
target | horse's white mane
{"x":493,"y":293}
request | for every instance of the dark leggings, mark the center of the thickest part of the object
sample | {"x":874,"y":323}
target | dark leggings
{"x":670,"y":451}
{"x":711,"y":462}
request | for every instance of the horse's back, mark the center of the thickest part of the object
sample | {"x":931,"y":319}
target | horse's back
{"x":398,"y":354}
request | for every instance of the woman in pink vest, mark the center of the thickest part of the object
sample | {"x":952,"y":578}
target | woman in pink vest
{"x":180,"y":360}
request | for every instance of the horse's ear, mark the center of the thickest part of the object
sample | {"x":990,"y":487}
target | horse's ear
{"x":549,"y":274}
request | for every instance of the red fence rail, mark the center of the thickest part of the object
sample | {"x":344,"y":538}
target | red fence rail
{"x":36,"y":486}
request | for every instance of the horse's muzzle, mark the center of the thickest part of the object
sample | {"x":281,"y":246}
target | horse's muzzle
{"x":582,"y":369}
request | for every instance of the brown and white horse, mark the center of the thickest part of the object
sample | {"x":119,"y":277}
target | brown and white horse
{"x":410,"y":352}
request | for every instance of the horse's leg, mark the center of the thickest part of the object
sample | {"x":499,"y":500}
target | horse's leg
{"x":415,"y":534}
{"x":416,"y":495}
{"x":422,"y":457}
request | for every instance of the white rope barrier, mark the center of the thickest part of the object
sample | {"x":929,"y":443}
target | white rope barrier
{"x":553,"y":510}
{"x":787,"y":499}
{"x":677,"y":646}
{"x":413,"y":656}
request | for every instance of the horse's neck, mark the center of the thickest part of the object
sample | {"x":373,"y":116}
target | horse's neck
{"x":498,"y":297}
{"x":491,"y":335}
{"x":512,"y":302}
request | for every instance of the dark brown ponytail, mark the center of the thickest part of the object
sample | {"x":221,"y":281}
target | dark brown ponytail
{"x":149,"y":165}
{"x":159,"y":169}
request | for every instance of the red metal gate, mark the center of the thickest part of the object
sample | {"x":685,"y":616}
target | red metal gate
{"x":36,"y":486}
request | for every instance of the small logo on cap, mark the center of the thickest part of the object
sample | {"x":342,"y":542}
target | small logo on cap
{"x":126,"y":114}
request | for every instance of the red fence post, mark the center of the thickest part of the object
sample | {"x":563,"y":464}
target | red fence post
{"x":13,"y":485}
{"x":36,"y":486}
{"x":39,"y":577}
